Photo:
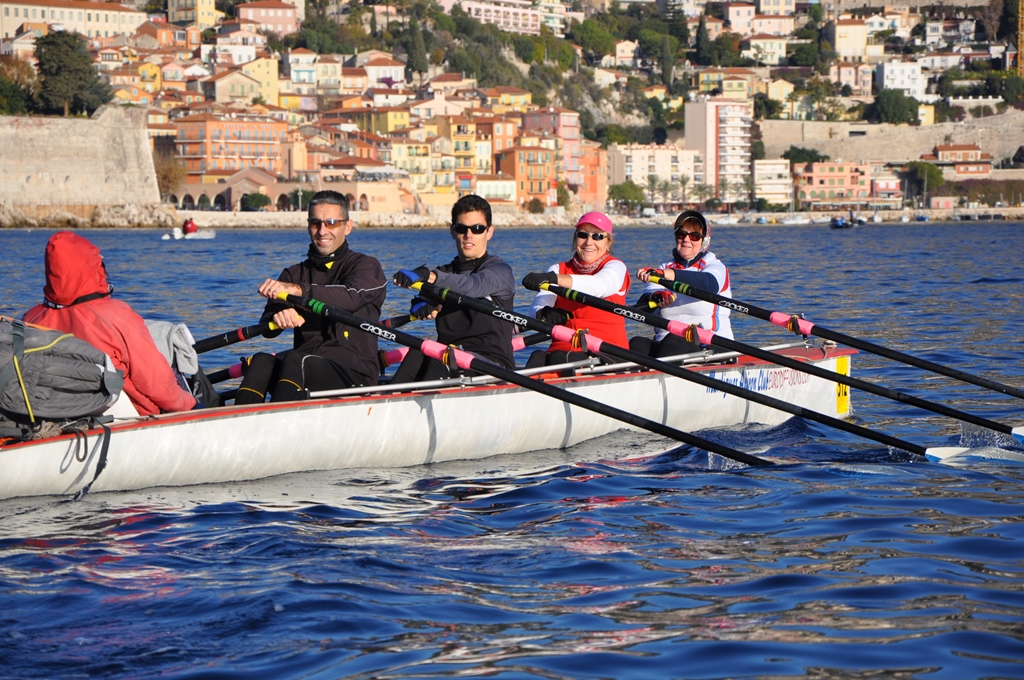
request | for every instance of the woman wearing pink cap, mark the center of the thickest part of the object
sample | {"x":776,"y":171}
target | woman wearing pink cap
{"x":592,"y":270}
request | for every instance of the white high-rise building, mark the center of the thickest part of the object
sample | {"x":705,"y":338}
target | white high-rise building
{"x":719,"y":130}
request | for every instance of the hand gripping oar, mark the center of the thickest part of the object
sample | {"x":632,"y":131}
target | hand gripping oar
{"x":389,"y":357}
{"x":804,"y":327}
{"x":231,"y":337}
{"x":592,"y":344}
{"x":706,"y":337}
{"x":467,"y":361}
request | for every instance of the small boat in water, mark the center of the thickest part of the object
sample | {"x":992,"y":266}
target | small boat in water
{"x":795,"y":220}
{"x":177,"y":234}
{"x":405,"y":425}
{"x":840,"y":222}
{"x":724,"y":219}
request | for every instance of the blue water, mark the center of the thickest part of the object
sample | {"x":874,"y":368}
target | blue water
{"x":619,"y":558}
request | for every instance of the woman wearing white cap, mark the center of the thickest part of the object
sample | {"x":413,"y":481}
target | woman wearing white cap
{"x":694,"y":264}
{"x":591,"y":270}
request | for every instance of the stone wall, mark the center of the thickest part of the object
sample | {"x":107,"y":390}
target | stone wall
{"x":68,"y":172}
{"x":997,"y":135}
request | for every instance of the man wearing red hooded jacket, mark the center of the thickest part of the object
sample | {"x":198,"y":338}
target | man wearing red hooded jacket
{"x":77,"y":300}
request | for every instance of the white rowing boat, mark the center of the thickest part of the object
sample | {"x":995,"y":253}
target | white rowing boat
{"x":360,"y":428}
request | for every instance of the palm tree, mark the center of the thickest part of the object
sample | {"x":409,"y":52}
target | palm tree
{"x":665,"y":189}
{"x":792,"y":98}
{"x":724,"y":190}
{"x":684,"y":181}
{"x":652,"y":186}
{"x":703,"y":192}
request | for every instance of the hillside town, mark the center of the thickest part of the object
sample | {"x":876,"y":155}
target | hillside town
{"x":545,"y":106}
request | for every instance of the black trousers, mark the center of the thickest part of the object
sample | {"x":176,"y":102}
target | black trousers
{"x":290,"y":376}
{"x":670,"y":346}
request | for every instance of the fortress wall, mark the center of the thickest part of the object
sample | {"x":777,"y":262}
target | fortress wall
{"x":998,"y":135}
{"x":78,"y":171}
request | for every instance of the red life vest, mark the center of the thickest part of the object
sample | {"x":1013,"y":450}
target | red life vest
{"x":605,"y":325}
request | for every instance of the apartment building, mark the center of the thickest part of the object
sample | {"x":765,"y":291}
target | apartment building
{"x":90,"y":19}
{"x":565,"y":125}
{"x":270,"y":15}
{"x":902,"y":75}
{"x":832,"y":184}
{"x":514,"y":16}
{"x":593,"y":192}
{"x":776,"y":7}
{"x":719,"y":130}
{"x":210,"y":143}
{"x":638,"y":162}
{"x":533,"y":170}
{"x":201,"y":13}
{"x":773,"y":181}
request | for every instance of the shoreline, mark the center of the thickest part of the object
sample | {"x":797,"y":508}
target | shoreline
{"x":166,"y":217}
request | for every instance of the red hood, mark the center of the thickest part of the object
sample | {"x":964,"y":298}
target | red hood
{"x":74,"y":267}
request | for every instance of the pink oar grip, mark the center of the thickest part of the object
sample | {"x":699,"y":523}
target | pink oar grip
{"x":803,"y":325}
{"x":235,"y":370}
{"x":518,"y":343}
{"x":393,"y":356}
{"x":565,"y":334}
{"x":436,"y":350}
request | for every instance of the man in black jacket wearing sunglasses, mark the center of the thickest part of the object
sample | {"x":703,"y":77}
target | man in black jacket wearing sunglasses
{"x":475,"y":273}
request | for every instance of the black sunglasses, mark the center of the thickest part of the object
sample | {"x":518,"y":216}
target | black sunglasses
{"x":461,"y":229}
{"x":315,"y":222}
{"x":692,"y":235}
{"x":597,"y":236}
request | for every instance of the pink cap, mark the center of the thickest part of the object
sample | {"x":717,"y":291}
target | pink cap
{"x":599,"y":220}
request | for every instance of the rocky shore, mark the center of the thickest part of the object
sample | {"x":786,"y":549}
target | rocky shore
{"x":133,"y":216}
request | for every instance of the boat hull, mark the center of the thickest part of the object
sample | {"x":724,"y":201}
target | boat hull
{"x":237,"y":443}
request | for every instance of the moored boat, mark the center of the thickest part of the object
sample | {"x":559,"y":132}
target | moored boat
{"x":389,"y":427}
{"x":177,"y":234}
{"x":795,"y":220}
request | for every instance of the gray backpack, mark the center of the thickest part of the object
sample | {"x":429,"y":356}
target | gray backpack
{"x":47,"y":375}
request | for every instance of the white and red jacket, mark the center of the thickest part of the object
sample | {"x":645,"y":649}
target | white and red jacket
{"x":690,"y":310}
{"x":611,"y":282}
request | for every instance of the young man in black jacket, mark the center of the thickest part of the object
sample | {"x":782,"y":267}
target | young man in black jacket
{"x":325,"y":355}
{"x":475,"y":273}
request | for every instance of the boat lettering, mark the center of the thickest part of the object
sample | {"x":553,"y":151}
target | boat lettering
{"x":731,"y":377}
{"x":763,"y":380}
{"x":630,"y":314}
{"x":378,"y":331}
{"x":509,"y":316}
{"x":732,"y":305}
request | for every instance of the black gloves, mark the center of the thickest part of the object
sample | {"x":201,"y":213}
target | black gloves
{"x":559,"y":317}
{"x":420,"y":308}
{"x":534,"y":279}
{"x":407,"y":277}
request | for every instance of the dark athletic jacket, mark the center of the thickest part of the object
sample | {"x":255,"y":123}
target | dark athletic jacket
{"x":486,"y":277}
{"x":350,"y":281}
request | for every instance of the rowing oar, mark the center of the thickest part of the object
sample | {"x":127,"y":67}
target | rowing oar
{"x":468,"y":362}
{"x":390,"y":357}
{"x":594,"y":345}
{"x":804,"y":327}
{"x":706,"y":337}
{"x":231,"y":337}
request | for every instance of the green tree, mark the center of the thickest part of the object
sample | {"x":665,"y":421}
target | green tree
{"x":797,"y":154}
{"x":816,"y":13}
{"x":417,"y":61}
{"x":627,"y":193}
{"x":804,"y":54}
{"x":652,"y":185}
{"x":892,"y":106}
{"x":562,"y":191}
{"x":927,"y":175}
{"x":535,"y":206}
{"x":684,"y":183}
{"x":255,"y":201}
{"x":668,"y":59}
{"x":595,"y":40}
{"x":67,"y":79}
{"x":757,"y":152}
{"x":703,"y":45}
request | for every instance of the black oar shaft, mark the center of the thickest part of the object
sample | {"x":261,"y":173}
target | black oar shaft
{"x":804,"y":327}
{"x":708,"y":338}
{"x":231,"y":337}
{"x":469,"y":362}
{"x":673,"y":370}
